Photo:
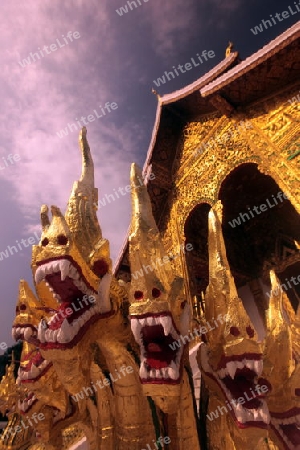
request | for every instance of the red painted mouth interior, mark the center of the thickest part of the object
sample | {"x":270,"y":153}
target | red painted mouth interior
{"x":157,"y":346}
{"x":28,"y":397}
{"x":37,"y":360}
{"x":66,"y":289}
{"x":29,"y":407}
{"x":240,"y":387}
{"x":71,"y":297}
{"x":293,"y":433}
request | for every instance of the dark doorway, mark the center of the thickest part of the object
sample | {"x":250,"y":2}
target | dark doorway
{"x":196,"y":232}
{"x":257,"y":237}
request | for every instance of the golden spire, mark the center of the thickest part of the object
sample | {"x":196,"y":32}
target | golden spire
{"x":11,"y":368}
{"x":221,"y":295}
{"x":146,"y":249}
{"x":279,"y":334}
{"x":81,"y":214}
{"x":79,"y":229}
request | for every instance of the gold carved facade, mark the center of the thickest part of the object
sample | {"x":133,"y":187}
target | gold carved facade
{"x":214,"y":146}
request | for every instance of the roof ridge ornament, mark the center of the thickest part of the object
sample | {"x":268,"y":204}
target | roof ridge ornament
{"x":229,"y":49}
{"x":155,"y":93}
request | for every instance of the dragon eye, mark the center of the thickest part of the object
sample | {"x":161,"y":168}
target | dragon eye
{"x":62,"y":240}
{"x":45,"y":242}
{"x":250,"y":332}
{"x":156,"y":293}
{"x":22,"y":307}
{"x":100,"y":267}
{"x":234,"y":331}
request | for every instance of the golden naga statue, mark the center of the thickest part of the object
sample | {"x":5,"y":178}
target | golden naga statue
{"x":247,"y":379}
{"x":283,"y":372}
{"x":232,"y":358}
{"x":107,"y":362}
{"x":82,"y":366}
{"x":159,"y":315}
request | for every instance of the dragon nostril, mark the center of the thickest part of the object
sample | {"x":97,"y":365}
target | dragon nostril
{"x":234,"y":331}
{"x":22,"y":307}
{"x":45,"y":242}
{"x":138,"y":295}
{"x":62,"y":240}
{"x":250,"y":331}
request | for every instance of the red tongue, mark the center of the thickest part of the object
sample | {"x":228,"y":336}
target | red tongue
{"x":292,"y":433}
{"x":153,"y":347}
{"x":35,"y":359}
{"x":253,"y":403}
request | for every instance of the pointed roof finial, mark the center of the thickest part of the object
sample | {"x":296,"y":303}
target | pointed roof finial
{"x":156,"y":93}
{"x":229,"y":49}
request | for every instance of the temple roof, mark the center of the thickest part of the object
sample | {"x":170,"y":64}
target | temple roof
{"x":274,"y":48}
{"x":273,"y":63}
{"x":226,"y":89}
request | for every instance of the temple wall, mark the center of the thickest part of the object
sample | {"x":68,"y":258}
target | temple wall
{"x":266,"y":133}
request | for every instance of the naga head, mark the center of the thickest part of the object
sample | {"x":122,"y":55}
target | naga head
{"x":231,"y":360}
{"x":282,"y":368}
{"x":34,"y":374}
{"x":35,"y":371}
{"x":72,"y":259}
{"x":159,"y":313}
{"x":33,"y":367}
{"x":29,"y":311}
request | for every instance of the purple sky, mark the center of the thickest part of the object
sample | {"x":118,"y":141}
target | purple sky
{"x":115,"y":59}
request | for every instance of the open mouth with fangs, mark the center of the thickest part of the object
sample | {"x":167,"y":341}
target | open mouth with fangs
{"x":24,"y":332}
{"x":286,"y":426}
{"x":78,"y":306}
{"x":26,"y":404}
{"x":33,"y":370}
{"x":155,"y":334}
{"x":237,"y":377}
{"x":30,"y":400}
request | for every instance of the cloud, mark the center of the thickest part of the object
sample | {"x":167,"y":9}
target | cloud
{"x":42,"y":98}
{"x":172,"y":25}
